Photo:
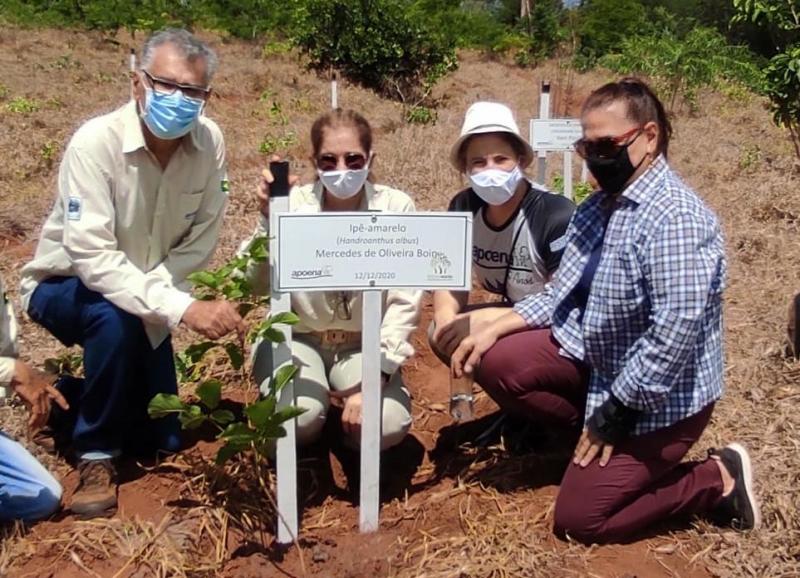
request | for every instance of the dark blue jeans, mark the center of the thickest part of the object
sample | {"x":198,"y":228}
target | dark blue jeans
{"x":108,"y":408}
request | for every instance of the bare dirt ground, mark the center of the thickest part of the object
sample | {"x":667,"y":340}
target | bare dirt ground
{"x":449,"y":509}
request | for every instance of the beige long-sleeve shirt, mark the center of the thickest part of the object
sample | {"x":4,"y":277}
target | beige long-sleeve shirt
{"x":129,"y":229}
{"x":320,"y":311}
{"x":8,"y":341}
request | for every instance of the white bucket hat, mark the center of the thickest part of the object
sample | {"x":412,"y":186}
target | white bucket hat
{"x":483,"y":117}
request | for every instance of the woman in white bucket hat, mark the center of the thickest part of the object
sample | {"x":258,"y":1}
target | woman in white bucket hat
{"x":518,"y":227}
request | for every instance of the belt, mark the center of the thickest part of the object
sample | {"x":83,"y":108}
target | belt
{"x":333,"y":337}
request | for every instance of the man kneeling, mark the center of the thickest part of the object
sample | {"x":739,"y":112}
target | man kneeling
{"x":141,"y":196}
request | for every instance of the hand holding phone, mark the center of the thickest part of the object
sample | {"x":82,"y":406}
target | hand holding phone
{"x":279,"y":187}
{"x":275,"y":182}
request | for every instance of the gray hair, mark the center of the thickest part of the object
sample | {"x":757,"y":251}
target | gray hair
{"x":189,"y":46}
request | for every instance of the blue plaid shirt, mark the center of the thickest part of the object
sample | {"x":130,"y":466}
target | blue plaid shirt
{"x":651,"y":330}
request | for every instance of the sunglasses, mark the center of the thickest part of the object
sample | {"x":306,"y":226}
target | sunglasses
{"x":330,"y":162}
{"x":164,"y":86}
{"x":607,"y":147}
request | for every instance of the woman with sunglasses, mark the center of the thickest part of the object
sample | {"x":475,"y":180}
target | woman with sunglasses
{"x":625,"y":345}
{"x":327,"y":341}
{"x":518,"y":227}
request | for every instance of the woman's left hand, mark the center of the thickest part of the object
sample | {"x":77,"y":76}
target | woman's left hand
{"x":589,"y":446}
{"x":351,"y":415}
{"x":351,"y":412}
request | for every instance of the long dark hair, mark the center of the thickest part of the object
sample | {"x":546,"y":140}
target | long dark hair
{"x":641,"y":102}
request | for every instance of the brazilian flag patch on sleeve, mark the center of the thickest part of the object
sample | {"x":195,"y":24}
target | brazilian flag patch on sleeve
{"x":225,"y":186}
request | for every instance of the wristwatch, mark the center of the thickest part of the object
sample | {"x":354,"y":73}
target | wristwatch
{"x":613,"y":421}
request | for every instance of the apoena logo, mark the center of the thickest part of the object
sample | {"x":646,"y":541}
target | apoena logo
{"x":326,"y":271}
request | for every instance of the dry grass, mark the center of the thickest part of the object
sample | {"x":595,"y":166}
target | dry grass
{"x":729,"y":152}
{"x":193,"y":545}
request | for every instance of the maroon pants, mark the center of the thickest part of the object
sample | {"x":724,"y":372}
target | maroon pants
{"x":643,"y":483}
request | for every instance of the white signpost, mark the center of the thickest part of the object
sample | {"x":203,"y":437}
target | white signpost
{"x":286,"y":451}
{"x":369,"y":252}
{"x":557,"y":135}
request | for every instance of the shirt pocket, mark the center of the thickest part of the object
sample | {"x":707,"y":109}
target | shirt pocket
{"x":186,"y":213}
{"x":618,"y":292}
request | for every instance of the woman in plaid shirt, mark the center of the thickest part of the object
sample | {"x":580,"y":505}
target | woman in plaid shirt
{"x":625,"y":344}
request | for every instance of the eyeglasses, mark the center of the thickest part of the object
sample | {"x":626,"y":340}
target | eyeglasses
{"x":353,"y":161}
{"x":607,"y":147}
{"x":164,"y":86}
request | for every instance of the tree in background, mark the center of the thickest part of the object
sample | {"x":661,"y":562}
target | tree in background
{"x":782,"y":19}
{"x":380,"y":44}
{"x":604,"y":24}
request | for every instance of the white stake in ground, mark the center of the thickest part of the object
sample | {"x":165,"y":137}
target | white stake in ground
{"x":280,"y":302}
{"x":334,"y":92}
{"x":371,"y":411}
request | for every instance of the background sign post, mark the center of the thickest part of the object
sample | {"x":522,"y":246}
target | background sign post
{"x":544,"y":113}
{"x":557,"y":135}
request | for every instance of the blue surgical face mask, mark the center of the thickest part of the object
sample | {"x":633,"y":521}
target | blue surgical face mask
{"x":170,"y":116}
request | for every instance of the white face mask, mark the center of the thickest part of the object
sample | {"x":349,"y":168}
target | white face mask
{"x":344,"y":184}
{"x":496,"y":186}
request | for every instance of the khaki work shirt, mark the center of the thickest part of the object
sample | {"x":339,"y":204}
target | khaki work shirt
{"x":321,"y":311}
{"x":8,"y":341}
{"x":129,"y":229}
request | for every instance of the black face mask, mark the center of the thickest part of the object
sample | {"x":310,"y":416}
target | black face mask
{"x":613,"y":173}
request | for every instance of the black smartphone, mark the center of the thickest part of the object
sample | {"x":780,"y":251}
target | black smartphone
{"x":280,"y":186}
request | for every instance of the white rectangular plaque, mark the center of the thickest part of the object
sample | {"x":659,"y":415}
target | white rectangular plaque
{"x":555,"y":134}
{"x":374,"y":250}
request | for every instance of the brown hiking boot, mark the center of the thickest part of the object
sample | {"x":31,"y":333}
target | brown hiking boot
{"x":96,"y":495}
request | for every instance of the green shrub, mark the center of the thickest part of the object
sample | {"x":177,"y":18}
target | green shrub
{"x":272,"y":144}
{"x":544,"y":27}
{"x":241,"y":18}
{"x":783,"y":89}
{"x":22,"y":105}
{"x":782,"y":75}
{"x":246,"y":18}
{"x":580,"y":189}
{"x":679,"y":67}
{"x":605,"y":24}
{"x":377,"y":43}
{"x":420,"y":115}
{"x":466,"y":25}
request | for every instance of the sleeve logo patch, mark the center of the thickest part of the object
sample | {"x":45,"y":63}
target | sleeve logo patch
{"x":225,"y":186}
{"x":74,"y":209}
{"x":558,"y":244}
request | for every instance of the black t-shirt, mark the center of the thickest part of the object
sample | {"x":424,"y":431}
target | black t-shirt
{"x":519,"y":257}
